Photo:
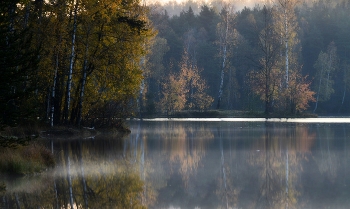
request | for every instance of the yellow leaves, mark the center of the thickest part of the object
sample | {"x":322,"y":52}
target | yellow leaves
{"x":273,"y":80}
{"x":185,"y":89}
{"x":111,"y":39}
{"x":173,"y":94}
{"x":298,"y":91}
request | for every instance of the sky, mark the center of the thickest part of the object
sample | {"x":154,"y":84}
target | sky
{"x":238,"y":4}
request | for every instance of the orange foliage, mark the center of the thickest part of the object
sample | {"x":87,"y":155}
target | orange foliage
{"x":300,"y":91}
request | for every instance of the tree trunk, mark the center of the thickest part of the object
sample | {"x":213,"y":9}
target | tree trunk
{"x":318,"y":95}
{"x":223,"y":170}
{"x":85,"y":190}
{"x":287,"y":64}
{"x":69,"y":179}
{"x":83,"y":82}
{"x":53,"y":92}
{"x":224,"y":57}
{"x":71,"y":63}
{"x":142,"y":87}
{"x":26,"y":15}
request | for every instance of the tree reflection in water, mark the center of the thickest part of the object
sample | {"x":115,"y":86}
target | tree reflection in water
{"x":90,"y":174}
{"x":279,"y":155}
{"x":195,"y":165}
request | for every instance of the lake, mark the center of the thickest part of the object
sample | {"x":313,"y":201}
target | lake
{"x":198,"y":163}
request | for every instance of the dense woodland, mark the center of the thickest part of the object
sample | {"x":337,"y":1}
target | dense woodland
{"x":69,"y":61}
{"x":286,"y":57}
{"x":86,"y":62}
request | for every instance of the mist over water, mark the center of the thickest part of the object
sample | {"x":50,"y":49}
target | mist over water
{"x":280,"y":120}
{"x":197,"y":163}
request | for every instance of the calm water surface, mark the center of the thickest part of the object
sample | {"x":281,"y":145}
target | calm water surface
{"x":196,"y":164}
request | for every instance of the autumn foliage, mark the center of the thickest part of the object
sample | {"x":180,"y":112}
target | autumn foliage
{"x":185,"y":89}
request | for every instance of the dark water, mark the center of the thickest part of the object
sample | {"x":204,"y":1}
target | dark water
{"x":195,"y":164}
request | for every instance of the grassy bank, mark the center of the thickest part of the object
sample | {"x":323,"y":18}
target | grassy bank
{"x":25,"y":159}
{"x":22,"y":153}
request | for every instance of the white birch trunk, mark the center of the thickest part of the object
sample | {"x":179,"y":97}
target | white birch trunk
{"x":71,"y":63}
{"x":224,"y":57}
{"x":223,"y":170}
{"x":69,"y":177}
{"x":287,"y":65}
{"x":287,"y":47}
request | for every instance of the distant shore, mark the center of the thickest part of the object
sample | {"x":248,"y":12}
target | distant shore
{"x":226,"y":114}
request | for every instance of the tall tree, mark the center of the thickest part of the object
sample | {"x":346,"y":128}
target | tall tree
{"x":196,"y":96}
{"x":225,"y":33}
{"x":74,"y":12}
{"x":268,"y":44}
{"x":325,"y":65}
{"x":286,"y":25}
{"x":90,"y":54}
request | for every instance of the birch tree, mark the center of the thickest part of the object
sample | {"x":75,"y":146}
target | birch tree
{"x":71,"y":62}
{"x":286,"y":25}
{"x":225,"y":33}
{"x":107,"y":41}
{"x":325,"y":66}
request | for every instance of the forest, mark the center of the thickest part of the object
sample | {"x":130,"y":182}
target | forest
{"x":70,"y":61}
{"x":87,"y":62}
{"x":282,"y":57}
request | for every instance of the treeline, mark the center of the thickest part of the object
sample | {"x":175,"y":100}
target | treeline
{"x":71,"y":61}
{"x":286,"y":57}
{"x":82,"y":62}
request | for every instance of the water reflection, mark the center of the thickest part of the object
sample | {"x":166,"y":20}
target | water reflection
{"x":201,"y":164}
{"x":90,"y":174}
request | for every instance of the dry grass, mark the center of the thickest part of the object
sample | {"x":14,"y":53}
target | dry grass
{"x":25,"y":159}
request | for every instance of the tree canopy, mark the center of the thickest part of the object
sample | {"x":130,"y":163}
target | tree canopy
{"x":94,"y":62}
{"x":73,"y":61}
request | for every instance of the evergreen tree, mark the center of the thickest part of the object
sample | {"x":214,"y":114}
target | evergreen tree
{"x":18,"y":64}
